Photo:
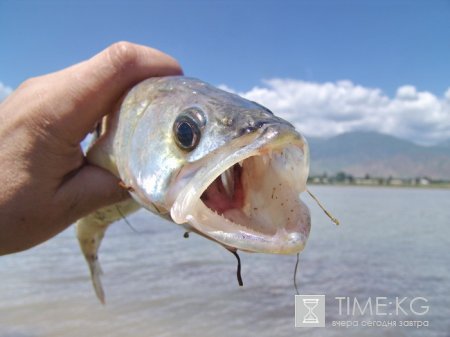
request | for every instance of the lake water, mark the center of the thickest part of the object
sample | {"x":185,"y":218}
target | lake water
{"x":391,"y":243}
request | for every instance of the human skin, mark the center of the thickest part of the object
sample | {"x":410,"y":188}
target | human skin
{"x":45,"y":182}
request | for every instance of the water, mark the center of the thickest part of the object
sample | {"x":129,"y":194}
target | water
{"x":392,"y":242}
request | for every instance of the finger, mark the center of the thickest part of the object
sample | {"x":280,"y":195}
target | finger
{"x":89,"y":90}
{"x":90,"y":189}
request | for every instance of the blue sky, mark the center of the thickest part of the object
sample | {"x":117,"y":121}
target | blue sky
{"x":377,"y":45}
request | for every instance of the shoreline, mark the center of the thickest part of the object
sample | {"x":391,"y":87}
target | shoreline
{"x":442,"y":186}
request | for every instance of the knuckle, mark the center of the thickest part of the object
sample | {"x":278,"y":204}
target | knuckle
{"x":37,"y":112}
{"x":121,"y":55}
{"x":35,"y":95}
{"x":36,"y":92}
{"x":30,"y":83}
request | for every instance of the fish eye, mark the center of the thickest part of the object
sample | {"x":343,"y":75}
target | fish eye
{"x":187,"y":131}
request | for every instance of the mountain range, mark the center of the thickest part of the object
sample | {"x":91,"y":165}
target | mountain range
{"x":378,"y":155}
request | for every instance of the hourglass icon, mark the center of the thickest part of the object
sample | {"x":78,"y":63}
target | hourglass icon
{"x":310,"y":304}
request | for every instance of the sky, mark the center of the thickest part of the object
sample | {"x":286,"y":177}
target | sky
{"x":327,"y":66}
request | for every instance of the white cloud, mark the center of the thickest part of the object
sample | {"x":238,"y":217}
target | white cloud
{"x":327,"y":109}
{"x":4,"y":91}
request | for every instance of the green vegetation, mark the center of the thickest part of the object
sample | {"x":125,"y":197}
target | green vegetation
{"x":379,"y":155}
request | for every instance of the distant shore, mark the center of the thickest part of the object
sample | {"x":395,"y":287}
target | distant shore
{"x":343,"y":179}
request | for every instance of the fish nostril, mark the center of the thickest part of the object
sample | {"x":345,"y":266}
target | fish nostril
{"x":249,"y":129}
{"x":253,"y":127}
{"x":260,"y":124}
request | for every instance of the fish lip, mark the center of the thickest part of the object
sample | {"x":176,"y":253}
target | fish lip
{"x":189,"y":208}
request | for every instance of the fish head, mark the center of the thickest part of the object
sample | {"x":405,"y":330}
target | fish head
{"x":216,"y":163}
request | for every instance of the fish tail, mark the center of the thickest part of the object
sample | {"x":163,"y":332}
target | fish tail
{"x":90,"y":232}
{"x":96,"y":272}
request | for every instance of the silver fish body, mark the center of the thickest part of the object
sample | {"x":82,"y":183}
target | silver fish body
{"x":211,"y":161}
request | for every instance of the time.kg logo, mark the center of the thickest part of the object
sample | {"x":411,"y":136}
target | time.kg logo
{"x":310,"y":311}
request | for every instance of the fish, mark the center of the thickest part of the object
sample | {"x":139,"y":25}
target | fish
{"x":211,"y":161}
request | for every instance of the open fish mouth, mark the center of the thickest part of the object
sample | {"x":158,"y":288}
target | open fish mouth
{"x":249,"y":199}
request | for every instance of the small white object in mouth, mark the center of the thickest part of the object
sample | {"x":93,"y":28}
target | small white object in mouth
{"x":227,"y":178}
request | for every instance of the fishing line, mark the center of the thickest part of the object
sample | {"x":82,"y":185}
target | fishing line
{"x":332,"y":218}
{"x":238,"y":271}
{"x":295,"y":273}
{"x":126,"y":220}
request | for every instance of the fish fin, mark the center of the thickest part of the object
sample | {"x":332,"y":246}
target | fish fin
{"x":101,"y":149}
{"x":90,"y":232}
{"x":96,"y":272}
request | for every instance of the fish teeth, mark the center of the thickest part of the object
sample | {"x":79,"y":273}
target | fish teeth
{"x":227,"y":178}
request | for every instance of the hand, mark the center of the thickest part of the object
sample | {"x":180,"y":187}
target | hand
{"x":45,"y":182}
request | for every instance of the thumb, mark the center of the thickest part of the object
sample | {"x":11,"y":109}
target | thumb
{"x":88,"y":190}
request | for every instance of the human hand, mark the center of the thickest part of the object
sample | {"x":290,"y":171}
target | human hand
{"x":45,"y":182}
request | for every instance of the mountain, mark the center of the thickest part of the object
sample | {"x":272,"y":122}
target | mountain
{"x":379,"y":155}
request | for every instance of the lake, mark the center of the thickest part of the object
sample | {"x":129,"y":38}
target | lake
{"x":392,"y":243}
